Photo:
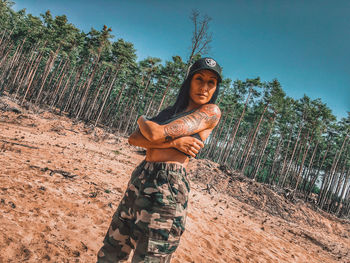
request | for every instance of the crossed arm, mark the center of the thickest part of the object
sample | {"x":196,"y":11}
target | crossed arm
{"x":205,"y":117}
{"x":137,"y":139}
{"x":186,"y":144}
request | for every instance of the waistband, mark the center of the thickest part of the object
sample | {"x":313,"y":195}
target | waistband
{"x":176,"y":167}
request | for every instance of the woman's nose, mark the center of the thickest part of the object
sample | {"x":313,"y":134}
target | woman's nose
{"x":205,"y":87}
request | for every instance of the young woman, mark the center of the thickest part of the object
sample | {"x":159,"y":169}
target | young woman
{"x":151,"y":216}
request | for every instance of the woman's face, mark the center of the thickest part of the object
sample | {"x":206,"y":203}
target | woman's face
{"x":203,"y":86}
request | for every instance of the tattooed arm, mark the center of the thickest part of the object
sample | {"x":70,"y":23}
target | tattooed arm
{"x":186,"y":144}
{"x":205,"y":117}
{"x":137,"y":139}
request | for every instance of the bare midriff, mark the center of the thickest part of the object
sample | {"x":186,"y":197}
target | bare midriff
{"x":166,"y":155}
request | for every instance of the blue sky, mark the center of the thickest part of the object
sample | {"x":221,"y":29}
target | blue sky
{"x":304,"y":44}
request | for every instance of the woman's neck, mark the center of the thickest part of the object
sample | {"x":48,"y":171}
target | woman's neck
{"x":192,"y":105}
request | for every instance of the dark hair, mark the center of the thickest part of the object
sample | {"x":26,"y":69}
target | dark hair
{"x":182,"y":101}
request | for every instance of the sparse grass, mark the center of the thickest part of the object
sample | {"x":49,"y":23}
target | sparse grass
{"x":116,"y":152}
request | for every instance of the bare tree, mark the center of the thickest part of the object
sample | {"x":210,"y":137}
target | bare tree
{"x":201,"y":37}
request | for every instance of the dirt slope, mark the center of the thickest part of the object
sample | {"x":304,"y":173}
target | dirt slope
{"x":60,"y":183}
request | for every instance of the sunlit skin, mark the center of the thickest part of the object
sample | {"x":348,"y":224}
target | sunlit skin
{"x":160,"y":140}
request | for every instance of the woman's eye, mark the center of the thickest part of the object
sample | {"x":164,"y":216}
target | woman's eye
{"x":200,"y":79}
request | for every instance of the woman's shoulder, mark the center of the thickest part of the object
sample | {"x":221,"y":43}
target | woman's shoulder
{"x":211,"y":109}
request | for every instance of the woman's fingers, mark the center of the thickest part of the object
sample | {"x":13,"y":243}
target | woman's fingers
{"x":190,"y":145}
{"x":199,"y":142}
{"x":190,"y":152}
{"x":194,"y":149}
{"x":197,"y":146}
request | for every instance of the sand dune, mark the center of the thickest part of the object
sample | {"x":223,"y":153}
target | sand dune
{"x":61,"y":182}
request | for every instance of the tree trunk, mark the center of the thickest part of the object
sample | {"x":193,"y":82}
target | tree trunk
{"x":65,"y":89}
{"x":99,"y":86}
{"x":31,"y":76}
{"x":335,"y":162}
{"x":88,"y":84}
{"x":246,"y":146}
{"x":58,"y":85}
{"x":341,"y":181}
{"x":345,"y":185}
{"x":47,"y":70}
{"x":26,"y":72}
{"x":71,"y":94}
{"x":223,"y":151}
{"x":317,"y":174}
{"x":253,"y":139}
{"x":275,"y":156}
{"x":291,"y":159}
{"x":263,"y":149}
{"x":307,"y":177}
{"x":164,"y":94}
{"x":106,"y":97}
{"x":239,"y":121}
{"x":303,"y":160}
{"x":117,"y":105}
{"x":216,"y":137}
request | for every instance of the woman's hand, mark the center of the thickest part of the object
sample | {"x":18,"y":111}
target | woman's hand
{"x":188,"y":145}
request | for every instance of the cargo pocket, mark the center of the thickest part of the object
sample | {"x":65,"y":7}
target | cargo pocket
{"x":164,"y":235}
{"x":162,"y":225}
{"x":178,"y":185}
{"x":165,"y":195}
{"x":161,"y":232}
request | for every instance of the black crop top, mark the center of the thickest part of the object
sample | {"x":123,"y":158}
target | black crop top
{"x":182,"y":114}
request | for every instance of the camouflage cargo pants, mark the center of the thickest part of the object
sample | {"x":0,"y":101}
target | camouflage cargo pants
{"x":151,"y":216}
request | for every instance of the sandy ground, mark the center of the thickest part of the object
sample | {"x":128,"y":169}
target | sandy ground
{"x":60,"y":183}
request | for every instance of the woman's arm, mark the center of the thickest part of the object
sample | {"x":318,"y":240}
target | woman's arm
{"x":186,"y":144}
{"x":137,"y":139}
{"x":205,"y":117}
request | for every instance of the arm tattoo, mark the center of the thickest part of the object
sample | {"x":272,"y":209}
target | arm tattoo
{"x":207,"y":116}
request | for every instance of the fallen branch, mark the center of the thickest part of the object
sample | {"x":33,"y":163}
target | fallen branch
{"x":65,"y":174}
{"x":20,"y":144}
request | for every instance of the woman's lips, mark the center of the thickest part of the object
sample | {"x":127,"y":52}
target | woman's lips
{"x":202,"y":96}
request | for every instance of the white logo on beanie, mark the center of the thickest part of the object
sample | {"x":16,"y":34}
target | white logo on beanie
{"x":210,"y":62}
